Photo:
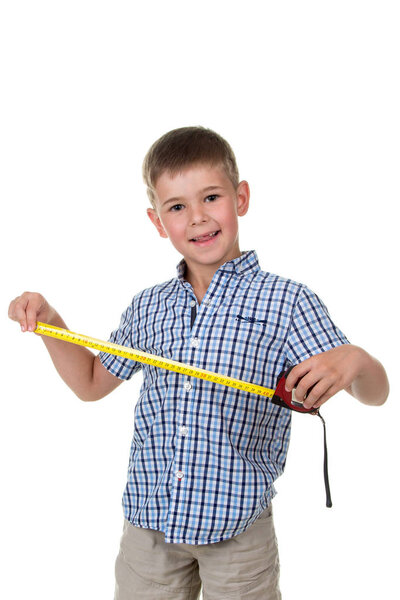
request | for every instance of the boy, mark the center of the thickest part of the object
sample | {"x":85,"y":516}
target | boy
{"x":204,"y":458}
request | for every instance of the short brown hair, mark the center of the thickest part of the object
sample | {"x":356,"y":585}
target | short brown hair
{"x":184,"y":147}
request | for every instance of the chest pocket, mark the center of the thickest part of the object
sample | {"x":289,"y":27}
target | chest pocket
{"x":242,"y":311}
{"x":243,"y":339}
{"x":231,"y":345}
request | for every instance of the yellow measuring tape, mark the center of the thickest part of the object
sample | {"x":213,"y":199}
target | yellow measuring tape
{"x":150,"y":359}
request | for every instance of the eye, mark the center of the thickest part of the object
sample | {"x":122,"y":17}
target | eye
{"x":176,"y":207}
{"x":212,"y":197}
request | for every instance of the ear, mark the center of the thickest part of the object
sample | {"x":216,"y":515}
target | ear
{"x":155,"y":219}
{"x":243,"y":198}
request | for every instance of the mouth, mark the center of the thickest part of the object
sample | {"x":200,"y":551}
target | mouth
{"x":206,"y":237}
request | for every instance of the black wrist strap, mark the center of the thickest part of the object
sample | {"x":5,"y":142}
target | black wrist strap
{"x":326,"y":478}
{"x":288,"y":400}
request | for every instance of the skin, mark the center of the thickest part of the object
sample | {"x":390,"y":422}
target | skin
{"x":346,"y":367}
{"x":184,"y":210}
{"x":194,"y":202}
{"x":81,"y":370}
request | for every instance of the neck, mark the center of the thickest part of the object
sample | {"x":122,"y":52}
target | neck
{"x":199,"y":280}
{"x":200,"y":276}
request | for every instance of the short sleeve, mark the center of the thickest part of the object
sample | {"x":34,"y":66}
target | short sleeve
{"x":311,"y":331}
{"x":121,"y":367}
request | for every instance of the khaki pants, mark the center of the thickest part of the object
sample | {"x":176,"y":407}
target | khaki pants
{"x":243,"y":567}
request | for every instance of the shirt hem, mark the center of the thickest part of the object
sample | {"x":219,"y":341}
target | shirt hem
{"x":264,"y":503}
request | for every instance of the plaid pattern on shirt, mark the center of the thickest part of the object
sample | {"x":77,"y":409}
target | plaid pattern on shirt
{"x":204,"y":456}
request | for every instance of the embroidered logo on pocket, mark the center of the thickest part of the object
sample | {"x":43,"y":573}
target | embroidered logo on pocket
{"x":251,"y":319}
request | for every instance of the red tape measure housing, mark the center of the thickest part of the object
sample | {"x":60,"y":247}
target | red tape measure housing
{"x":287,"y":399}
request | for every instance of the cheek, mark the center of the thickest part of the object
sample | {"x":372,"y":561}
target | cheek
{"x":174,"y":229}
{"x":230,"y":223}
{"x":226,"y":216}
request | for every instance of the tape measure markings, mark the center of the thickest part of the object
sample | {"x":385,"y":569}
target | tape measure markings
{"x":157,"y":361}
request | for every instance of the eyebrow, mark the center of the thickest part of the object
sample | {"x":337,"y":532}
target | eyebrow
{"x":203,"y":191}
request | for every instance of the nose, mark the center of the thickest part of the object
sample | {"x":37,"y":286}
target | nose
{"x":198,"y":214}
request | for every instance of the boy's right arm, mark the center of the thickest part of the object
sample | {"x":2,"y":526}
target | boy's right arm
{"x":81,"y":370}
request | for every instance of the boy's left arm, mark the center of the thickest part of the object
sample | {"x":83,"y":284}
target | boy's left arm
{"x":345,"y":367}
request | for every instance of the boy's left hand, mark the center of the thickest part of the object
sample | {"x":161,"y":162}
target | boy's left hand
{"x":325,"y":374}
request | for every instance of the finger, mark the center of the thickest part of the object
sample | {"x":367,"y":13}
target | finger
{"x":11,"y":308}
{"x":18,"y":313}
{"x":331,"y":391}
{"x":296,"y":373}
{"x":32,"y":310}
{"x":306,"y":384}
{"x":318,"y":392}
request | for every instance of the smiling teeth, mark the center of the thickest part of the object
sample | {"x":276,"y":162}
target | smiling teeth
{"x":205,"y":237}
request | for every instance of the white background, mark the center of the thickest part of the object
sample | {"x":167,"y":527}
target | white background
{"x":307,"y":93}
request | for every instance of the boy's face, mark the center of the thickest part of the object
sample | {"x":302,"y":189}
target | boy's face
{"x":195,"y":203}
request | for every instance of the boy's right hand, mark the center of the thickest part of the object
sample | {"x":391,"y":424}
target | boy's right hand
{"x":81,"y":370}
{"x":30,"y":308}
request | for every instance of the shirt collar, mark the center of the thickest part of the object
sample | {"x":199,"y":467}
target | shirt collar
{"x":246,"y":263}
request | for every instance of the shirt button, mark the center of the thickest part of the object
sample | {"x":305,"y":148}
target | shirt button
{"x":179,"y":474}
{"x":184,"y":430}
{"x":193,"y":303}
{"x":195,"y":342}
{"x":187,"y":385}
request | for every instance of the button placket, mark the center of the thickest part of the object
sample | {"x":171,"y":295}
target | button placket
{"x":195,"y":342}
{"x":183,"y":430}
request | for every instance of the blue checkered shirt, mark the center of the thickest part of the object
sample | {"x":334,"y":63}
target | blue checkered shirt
{"x":204,"y":456}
